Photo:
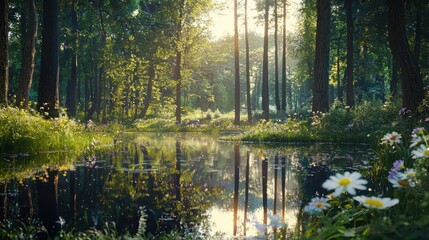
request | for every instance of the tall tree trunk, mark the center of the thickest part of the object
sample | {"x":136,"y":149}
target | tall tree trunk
{"x":237,"y":67}
{"x":418,"y":31}
{"x":339,"y":86}
{"x":395,"y":79}
{"x":178,"y":78}
{"x":28,"y":53}
{"x":4,"y":59}
{"x":246,"y":36}
{"x":284,"y":103}
{"x":48,"y":99}
{"x":265,"y":92}
{"x":412,"y":86}
{"x":276,"y":60}
{"x":71,"y":102}
{"x":348,"y":4}
{"x":321,"y":63}
{"x":148,"y":97}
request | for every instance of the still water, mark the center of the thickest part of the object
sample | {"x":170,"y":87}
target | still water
{"x":183,"y":182}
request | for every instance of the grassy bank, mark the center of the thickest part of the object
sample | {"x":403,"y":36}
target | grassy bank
{"x":24,"y":131}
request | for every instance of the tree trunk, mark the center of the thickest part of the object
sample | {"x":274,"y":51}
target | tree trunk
{"x":48,"y":99}
{"x":246,"y":36}
{"x":395,"y":79}
{"x":178,"y":78}
{"x":72,"y":84}
{"x":418,"y":36}
{"x":348,"y":4}
{"x":339,"y":86}
{"x":321,"y":63}
{"x":412,"y":86}
{"x":284,"y":104}
{"x":265,"y":92}
{"x":4,"y":64}
{"x":29,"y":51}
{"x":276,"y":60}
{"x":148,"y":97}
{"x":236,"y":67}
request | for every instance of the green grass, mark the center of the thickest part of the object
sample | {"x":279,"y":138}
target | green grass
{"x":23,"y":131}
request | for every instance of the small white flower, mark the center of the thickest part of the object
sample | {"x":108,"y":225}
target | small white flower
{"x":391,"y":138}
{"x":317,"y":205}
{"x":421,"y":152}
{"x":348,"y":182}
{"x":376,"y":202}
{"x":400,"y":180}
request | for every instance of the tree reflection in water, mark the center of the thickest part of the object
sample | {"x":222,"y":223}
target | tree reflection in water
{"x":185,"y":183}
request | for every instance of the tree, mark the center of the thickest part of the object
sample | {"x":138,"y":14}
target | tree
{"x":321,"y":63}
{"x":236,"y":67}
{"x":48,"y":95}
{"x":71,"y":101}
{"x":276,"y":60}
{"x":284,"y":59}
{"x":4,"y":60}
{"x":348,"y":5}
{"x":28,"y":54}
{"x":412,"y":86}
{"x":246,"y":36}
{"x":265,"y":92}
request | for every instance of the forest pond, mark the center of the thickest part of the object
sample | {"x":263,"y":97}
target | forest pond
{"x":188,"y":182}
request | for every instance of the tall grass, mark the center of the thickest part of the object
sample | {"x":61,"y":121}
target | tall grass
{"x":27,"y":131}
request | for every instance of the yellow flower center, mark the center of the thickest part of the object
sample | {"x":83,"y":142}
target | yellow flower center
{"x":319,"y":205}
{"x":404,"y":183}
{"x":426,"y":153}
{"x":374,"y":202}
{"x":393,"y":138}
{"x":344,"y":182}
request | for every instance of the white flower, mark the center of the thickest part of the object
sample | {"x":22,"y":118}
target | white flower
{"x":400,"y":180}
{"x":391,"y":138}
{"x":348,"y":182}
{"x":417,"y":139}
{"x":421,"y":152}
{"x":317,"y":205}
{"x":376,"y":202}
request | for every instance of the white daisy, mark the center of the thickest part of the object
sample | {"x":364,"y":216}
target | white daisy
{"x":376,"y":202}
{"x":416,"y":140}
{"x":348,"y":182}
{"x":421,"y":152}
{"x":317,"y":205}
{"x":391,"y":138}
{"x":400,"y":180}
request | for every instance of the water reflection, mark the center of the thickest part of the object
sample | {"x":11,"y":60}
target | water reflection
{"x":186,"y":181}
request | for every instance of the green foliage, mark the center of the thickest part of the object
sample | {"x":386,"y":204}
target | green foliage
{"x":27,"y":131}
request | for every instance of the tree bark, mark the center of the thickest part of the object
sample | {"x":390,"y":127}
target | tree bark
{"x":178,"y":78}
{"x":236,"y":67}
{"x":265,"y":92}
{"x":148,"y":97}
{"x":276,"y":60}
{"x":28,"y":54}
{"x":348,"y":4}
{"x":72,"y":84}
{"x":321,"y":63}
{"x":284,"y":104}
{"x":48,"y":95}
{"x":246,"y":36}
{"x":395,"y":79}
{"x":412,"y":86}
{"x":4,"y":58}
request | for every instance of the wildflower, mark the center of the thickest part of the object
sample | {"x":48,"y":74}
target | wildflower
{"x":400,"y":180}
{"x":421,"y":152}
{"x":418,"y":131}
{"x":410,"y":173}
{"x":391,"y":138}
{"x":397,"y":166}
{"x":317,"y":205}
{"x":348,"y":232}
{"x":376,"y":202}
{"x":403,"y":111}
{"x":348,"y":182}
